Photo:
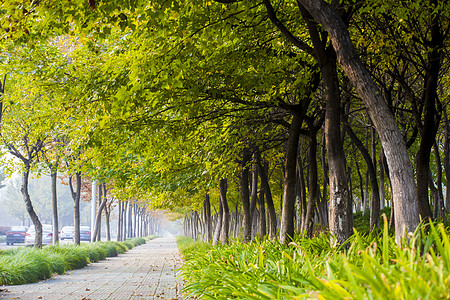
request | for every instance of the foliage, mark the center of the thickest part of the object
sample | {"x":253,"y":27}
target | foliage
{"x":373,"y":267}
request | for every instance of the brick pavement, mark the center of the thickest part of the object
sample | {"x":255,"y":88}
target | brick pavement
{"x":148,"y":271}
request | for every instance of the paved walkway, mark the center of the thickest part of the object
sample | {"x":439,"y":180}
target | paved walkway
{"x":148,"y":271}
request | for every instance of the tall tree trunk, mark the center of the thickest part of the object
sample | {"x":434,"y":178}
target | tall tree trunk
{"x":29,"y":206}
{"x":76,"y":195}
{"x":441,"y":206}
{"x":375,"y":203}
{"x":207,"y":212}
{"x":224,"y":234}
{"x":381,"y":166}
{"x":401,"y":173}
{"x":308,"y":222}
{"x":254,"y":197}
{"x":447,"y":159}
{"x":324,"y":200}
{"x":218,"y":228}
{"x":269,"y":200}
{"x":340,"y":215}
{"x":361,"y":187}
{"x":262,"y":213}
{"x":245,"y":195}
{"x":98,"y":218}
{"x":98,"y":221}
{"x":119,"y":221}
{"x":53,"y":175}
{"x":129,"y":220}
{"x":290,"y":180}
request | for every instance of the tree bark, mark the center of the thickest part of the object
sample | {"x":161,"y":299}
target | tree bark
{"x":207,"y":211}
{"x":224,"y":234}
{"x":98,"y":217}
{"x":245,"y":196}
{"x":254,"y":198}
{"x":53,"y":175}
{"x":308,"y":222}
{"x":76,"y":195}
{"x":269,"y":200}
{"x":29,"y":206}
{"x":119,"y":221}
{"x":290,"y":179}
{"x":447,"y":160}
{"x":375,"y":203}
{"x":401,"y":173}
{"x":218,"y":228}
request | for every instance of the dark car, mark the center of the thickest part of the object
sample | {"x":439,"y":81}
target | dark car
{"x":85,"y":233}
{"x":16,"y":235}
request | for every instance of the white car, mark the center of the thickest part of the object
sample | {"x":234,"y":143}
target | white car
{"x":67,"y":233}
{"x":47,"y":235}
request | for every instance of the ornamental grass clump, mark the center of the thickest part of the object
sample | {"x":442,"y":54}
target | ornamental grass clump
{"x":27,"y":265}
{"x":371,"y":267}
{"x":136,"y":241}
{"x":24,"y":266}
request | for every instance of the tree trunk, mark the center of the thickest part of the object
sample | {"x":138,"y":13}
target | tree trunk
{"x":340,"y":213}
{"x":129,"y":220}
{"x":375,"y":203}
{"x":269,"y":200}
{"x":290,"y":180}
{"x":245,"y":196}
{"x":441,"y":206}
{"x":119,"y":221}
{"x":98,"y":218}
{"x":254,"y":197}
{"x":208,"y":225}
{"x":53,"y":174}
{"x":98,"y":221}
{"x":447,"y":159}
{"x":401,"y":173}
{"x":29,"y":206}
{"x":76,"y":195}
{"x":262,"y":213}
{"x":308,"y":221}
{"x":224,"y":234}
{"x":218,"y":228}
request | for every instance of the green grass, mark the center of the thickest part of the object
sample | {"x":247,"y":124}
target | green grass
{"x":27,"y":265}
{"x":373,"y":267}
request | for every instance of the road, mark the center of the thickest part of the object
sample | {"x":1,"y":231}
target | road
{"x":148,"y":271}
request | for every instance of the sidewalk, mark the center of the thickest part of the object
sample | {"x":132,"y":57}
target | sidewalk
{"x":148,"y":271}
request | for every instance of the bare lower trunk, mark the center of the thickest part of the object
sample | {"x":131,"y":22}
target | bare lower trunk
{"x":224,"y":234}
{"x":375,"y":203}
{"x":290,"y":179}
{"x":207,"y":212}
{"x":29,"y":206}
{"x":269,"y":200}
{"x":76,"y":195}
{"x":53,"y":174}
{"x":218,"y":228}
{"x":340,"y":214}
{"x":119,"y":221}
{"x":307,"y":224}
{"x":401,"y":172}
{"x":245,"y":196}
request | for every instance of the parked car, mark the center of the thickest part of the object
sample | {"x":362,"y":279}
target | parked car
{"x":47,"y":235}
{"x":85,"y":233}
{"x":16,"y":235}
{"x":67,"y":233}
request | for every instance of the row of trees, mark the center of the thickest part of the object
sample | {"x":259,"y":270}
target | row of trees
{"x":174,"y":102}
